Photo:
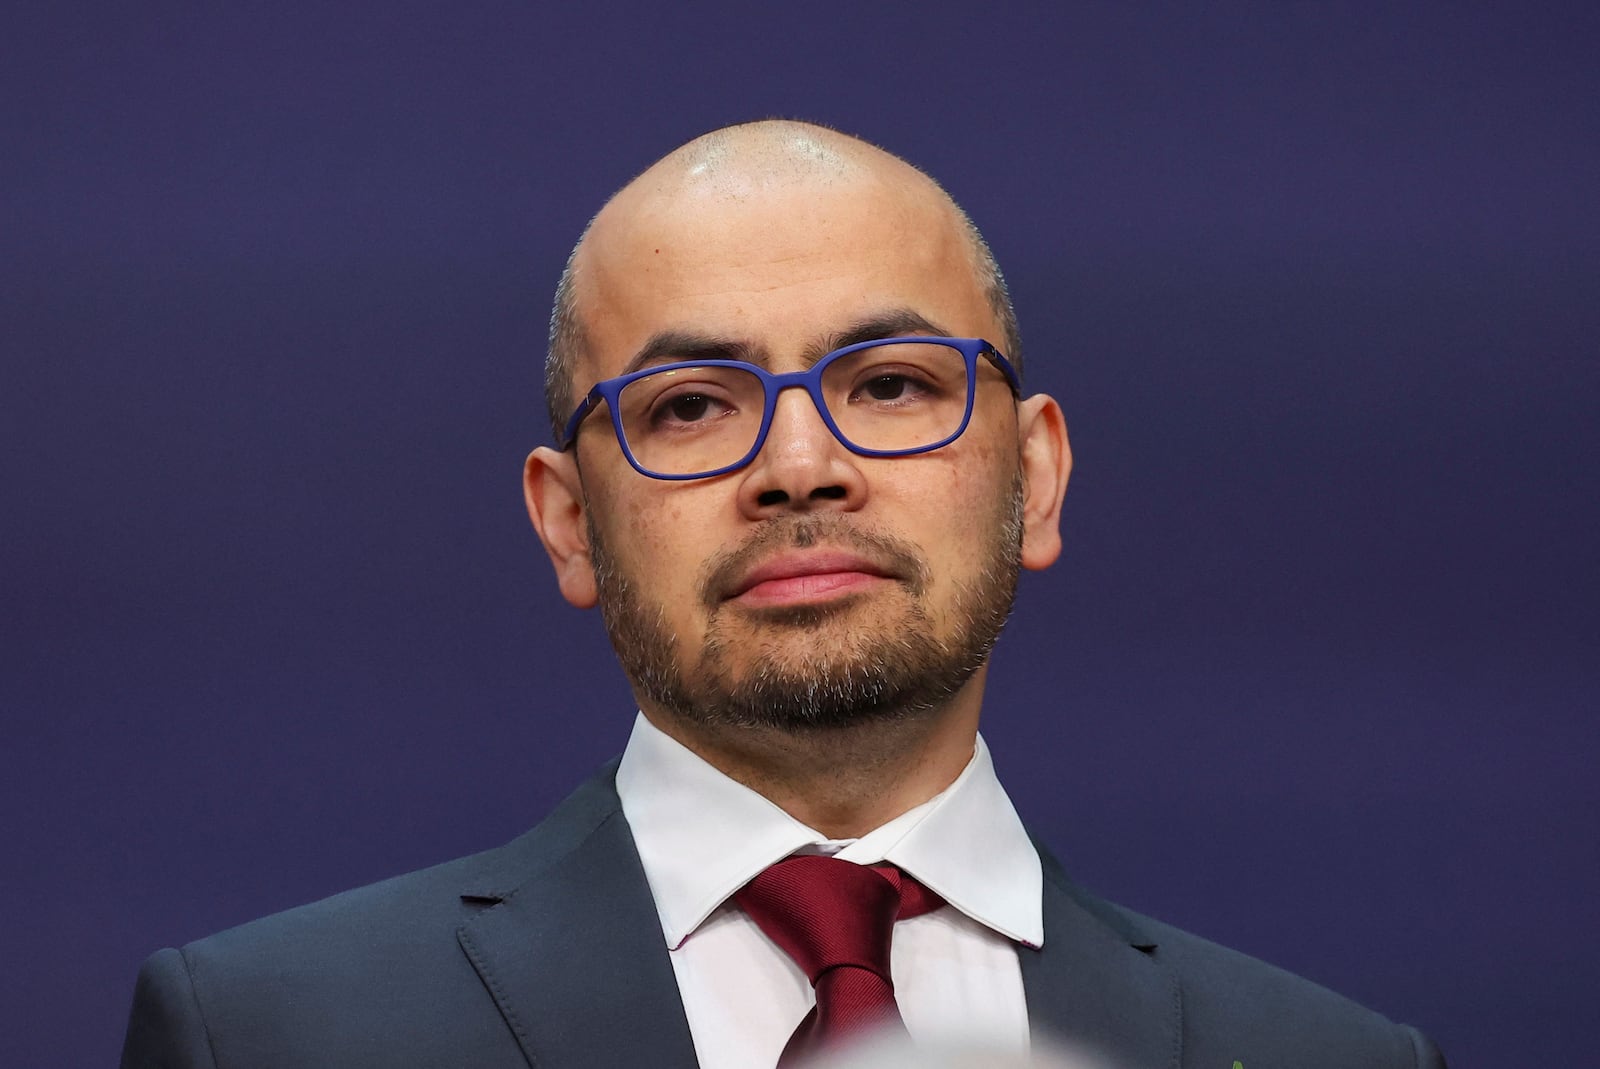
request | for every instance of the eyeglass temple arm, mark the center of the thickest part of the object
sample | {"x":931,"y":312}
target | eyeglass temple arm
{"x":998,"y":359}
{"x":570,"y":433}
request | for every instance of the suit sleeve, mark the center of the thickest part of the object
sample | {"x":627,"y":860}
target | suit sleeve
{"x":165,"y":1028}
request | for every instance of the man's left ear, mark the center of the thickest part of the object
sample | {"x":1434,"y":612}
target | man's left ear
{"x":1046,"y":464}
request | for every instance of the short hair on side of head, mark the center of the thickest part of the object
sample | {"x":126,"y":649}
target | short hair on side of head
{"x":994,"y":286}
{"x":568,"y":341}
{"x":566,"y":347}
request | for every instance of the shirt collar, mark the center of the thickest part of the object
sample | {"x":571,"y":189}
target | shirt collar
{"x":701,"y":836}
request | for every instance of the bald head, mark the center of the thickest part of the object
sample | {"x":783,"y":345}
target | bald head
{"x":738,"y":161}
{"x":713,"y":188}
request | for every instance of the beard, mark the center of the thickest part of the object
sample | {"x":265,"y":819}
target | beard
{"x":841,"y":675}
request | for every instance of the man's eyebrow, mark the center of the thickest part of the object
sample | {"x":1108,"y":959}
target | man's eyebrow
{"x":671,"y":346}
{"x":891,"y":323}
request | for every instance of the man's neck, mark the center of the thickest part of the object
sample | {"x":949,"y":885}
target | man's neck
{"x":844,"y":782}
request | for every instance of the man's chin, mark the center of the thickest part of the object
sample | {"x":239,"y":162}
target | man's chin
{"x":827,"y":689}
{"x":800,"y":615}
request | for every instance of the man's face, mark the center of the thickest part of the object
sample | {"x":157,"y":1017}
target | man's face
{"x":813,"y":587}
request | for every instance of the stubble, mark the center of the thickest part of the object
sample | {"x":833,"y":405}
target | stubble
{"x":853,"y":663}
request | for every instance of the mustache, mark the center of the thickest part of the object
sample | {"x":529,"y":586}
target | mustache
{"x":723,"y":572}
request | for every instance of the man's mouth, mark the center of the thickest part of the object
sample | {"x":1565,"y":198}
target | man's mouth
{"x":809,"y":561}
{"x":799,"y":577}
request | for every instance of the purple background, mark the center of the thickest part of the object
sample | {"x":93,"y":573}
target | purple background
{"x":1315,"y":284}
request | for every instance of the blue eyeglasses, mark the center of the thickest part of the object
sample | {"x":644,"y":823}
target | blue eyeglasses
{"x":892,"y":397}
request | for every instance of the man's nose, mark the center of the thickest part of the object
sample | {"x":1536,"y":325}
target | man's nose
{"x":801,"y":465}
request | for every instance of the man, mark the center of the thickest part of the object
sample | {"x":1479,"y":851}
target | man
{"x":798,"y":475}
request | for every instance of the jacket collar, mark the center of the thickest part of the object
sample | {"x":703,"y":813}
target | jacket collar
{"x":572,"y":953}
{"x":1097,"y":987}
{"x":570,"y":948}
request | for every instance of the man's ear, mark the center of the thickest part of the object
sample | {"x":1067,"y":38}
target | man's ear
{"x":556,"y":505}
{"x":1046,"y":464}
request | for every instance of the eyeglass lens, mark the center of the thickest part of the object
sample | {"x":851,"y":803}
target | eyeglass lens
{"x":687,"y":420}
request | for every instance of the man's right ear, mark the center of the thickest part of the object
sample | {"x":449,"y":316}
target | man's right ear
{"x":556,"y":505}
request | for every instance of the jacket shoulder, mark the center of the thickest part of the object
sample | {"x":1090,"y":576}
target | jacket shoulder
{"x":415,"y":907}
{"x":1235,"y":1004}
{"x":1236,"y":1008}
{"x":286,"y":988}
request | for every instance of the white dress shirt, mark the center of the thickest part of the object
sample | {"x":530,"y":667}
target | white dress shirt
{"x":701,"y":837}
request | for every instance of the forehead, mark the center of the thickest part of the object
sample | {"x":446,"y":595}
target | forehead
{"x":776,"y":264}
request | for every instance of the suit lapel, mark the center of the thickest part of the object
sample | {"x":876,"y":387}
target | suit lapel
{"x":576,"y":961}
{"x":1096,"y":986}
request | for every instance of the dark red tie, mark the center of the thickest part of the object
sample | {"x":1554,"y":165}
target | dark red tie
{"x":836,"y":919}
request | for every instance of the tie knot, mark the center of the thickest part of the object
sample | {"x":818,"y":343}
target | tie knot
{"x":825,"y":912}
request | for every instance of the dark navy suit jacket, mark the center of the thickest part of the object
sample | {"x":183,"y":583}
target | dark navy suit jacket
{"x":547,"y":952}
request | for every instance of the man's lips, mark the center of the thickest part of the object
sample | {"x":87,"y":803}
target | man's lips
{"x":807,"y":575}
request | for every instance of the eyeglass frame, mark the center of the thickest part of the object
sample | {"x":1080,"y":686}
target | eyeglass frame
{"x":609,"y":390}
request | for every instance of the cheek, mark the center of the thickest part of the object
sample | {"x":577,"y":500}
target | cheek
{"x":657,"y":539}
{"x":953,"y":503}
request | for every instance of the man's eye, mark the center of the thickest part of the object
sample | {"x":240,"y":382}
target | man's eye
{"x":685,"y":408}
{"x":689,"y":408}
{"x":886,"y":387}
{"x":892,"y":387}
